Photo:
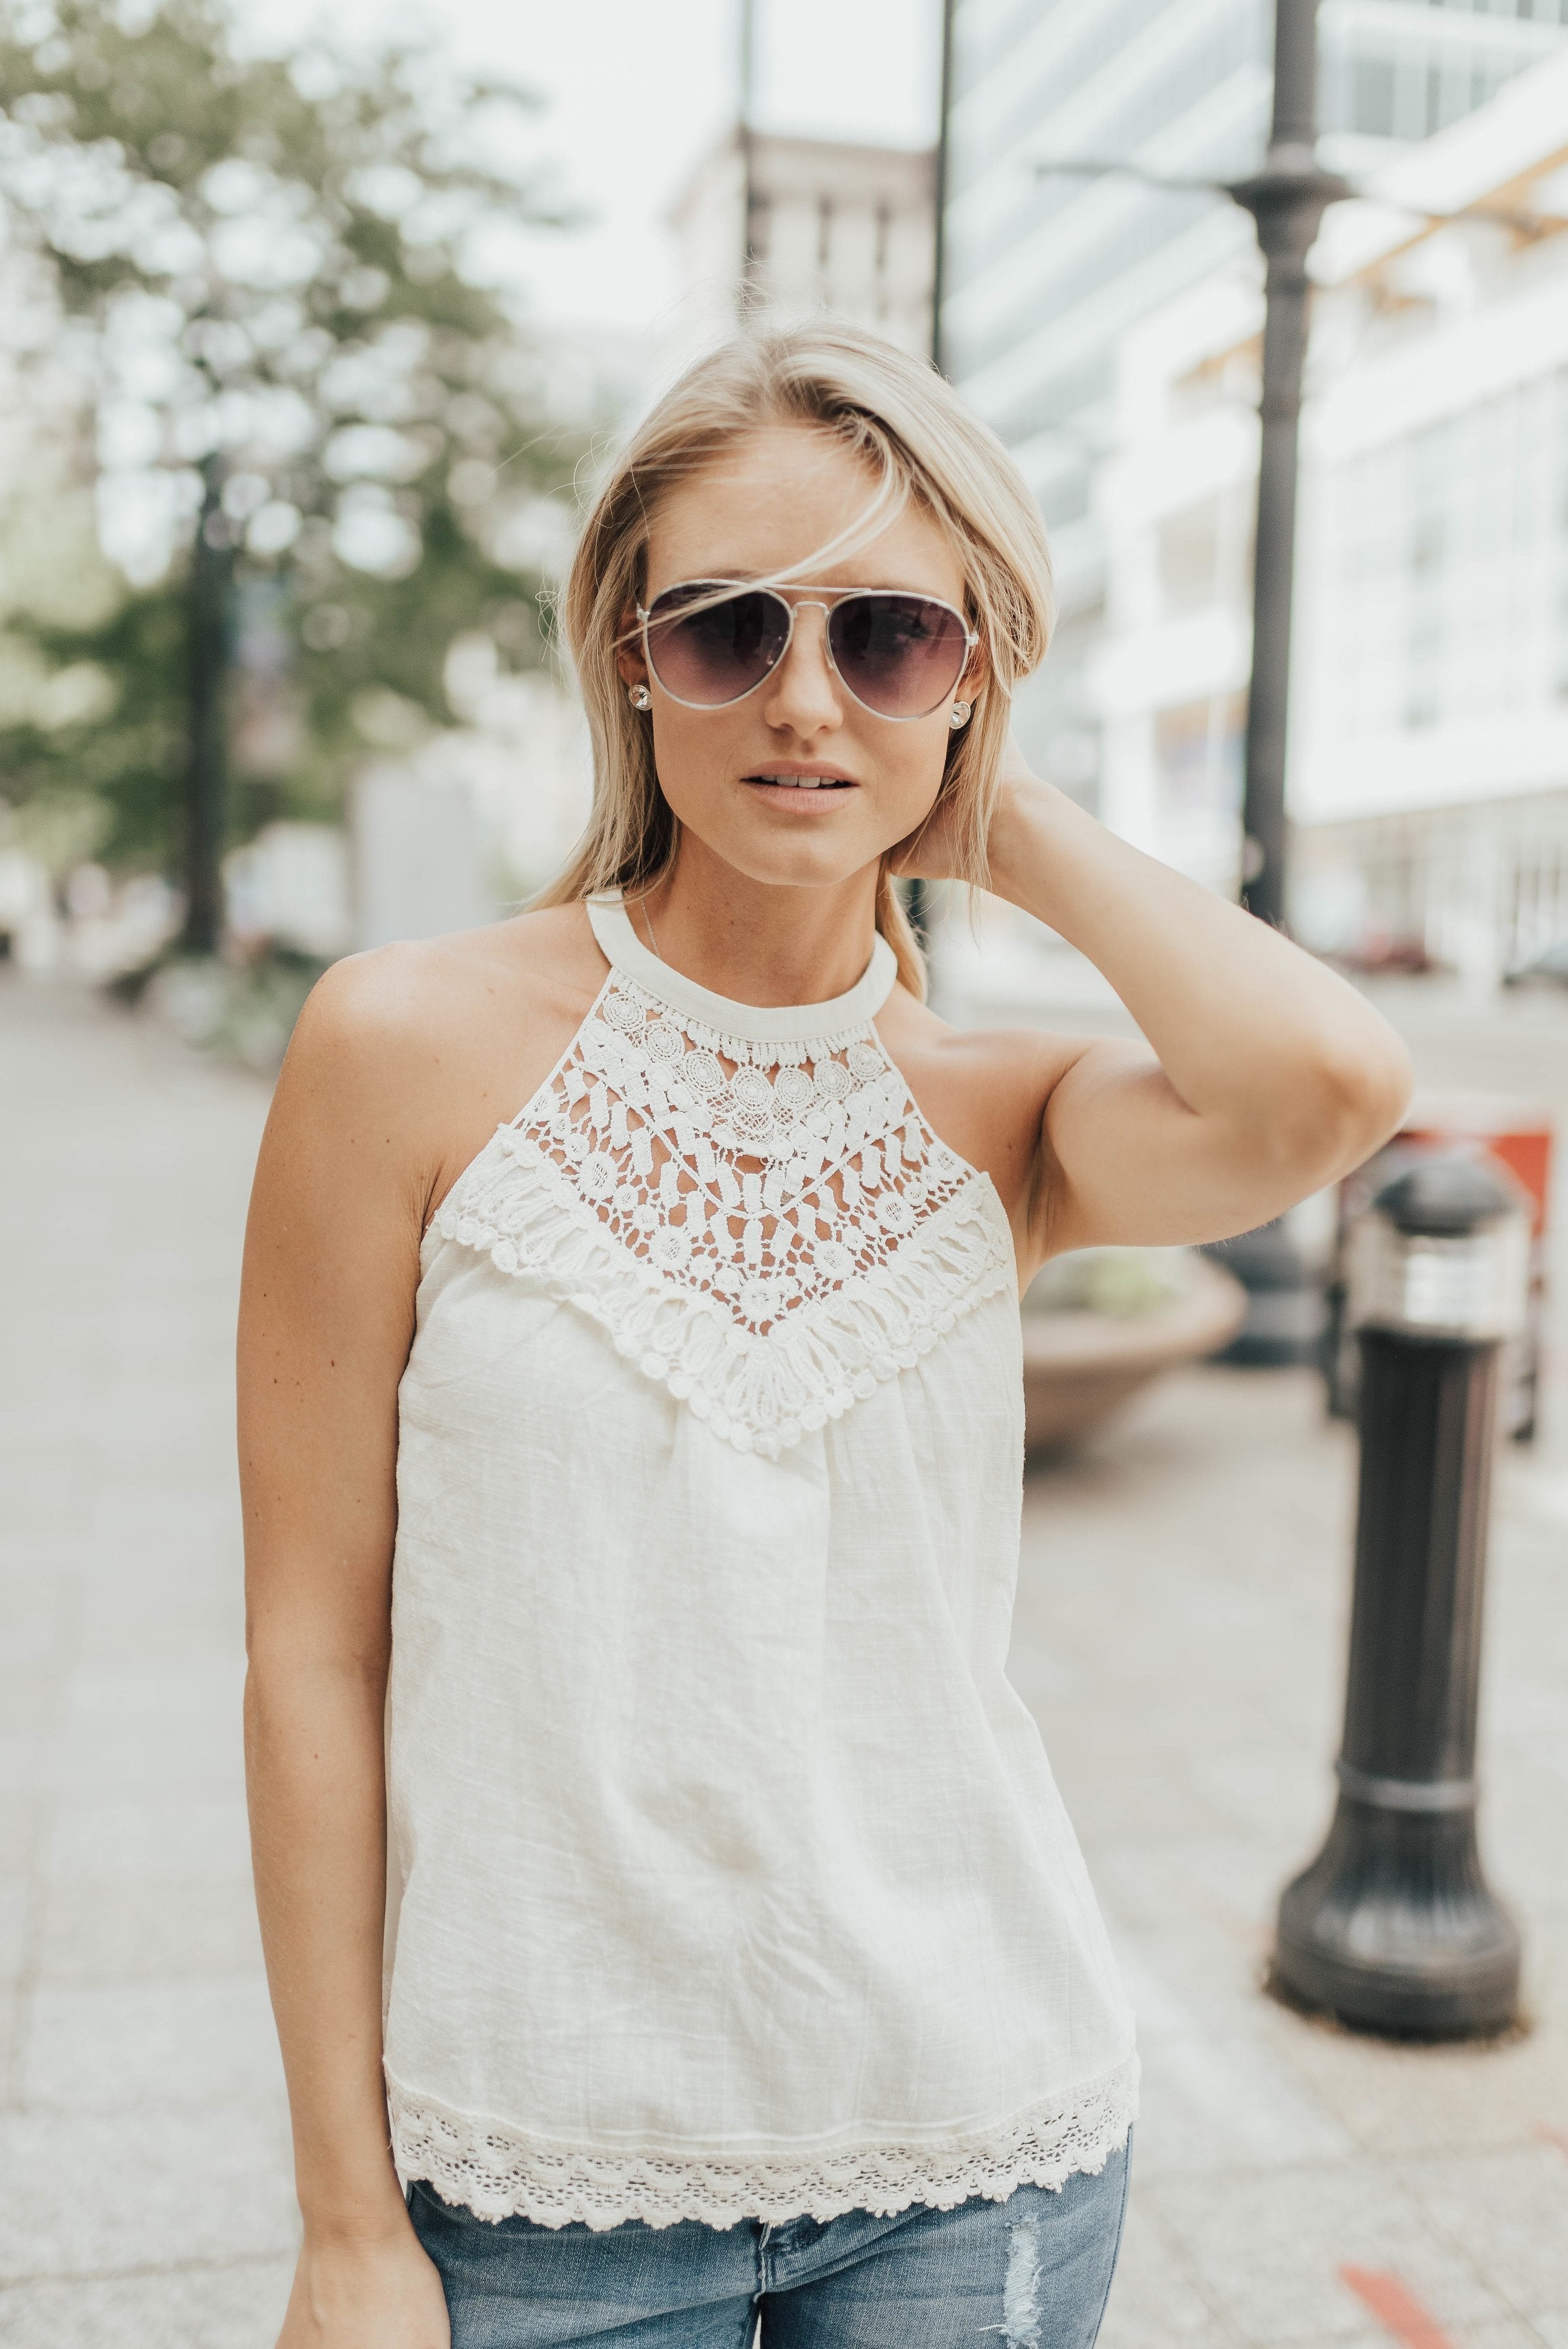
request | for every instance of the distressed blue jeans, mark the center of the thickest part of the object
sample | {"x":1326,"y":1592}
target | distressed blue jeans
{"x":1032,"y":2273}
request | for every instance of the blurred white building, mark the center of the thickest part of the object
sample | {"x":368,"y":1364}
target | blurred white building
{"x":418,"y":856}
{"x":1429,"y":777}
{"x":1050,"y":276}
{"x":470,"y":822}
{"x":290,"y":887}
{"x":828,"y":225}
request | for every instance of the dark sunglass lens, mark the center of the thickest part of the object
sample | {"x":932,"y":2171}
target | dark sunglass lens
{"x":708,"y":647}
{"x":900,"y":654}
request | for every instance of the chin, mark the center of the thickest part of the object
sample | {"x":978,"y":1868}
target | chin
{"x":797,"y":864}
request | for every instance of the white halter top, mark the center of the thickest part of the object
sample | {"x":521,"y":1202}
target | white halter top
{"x":727,"y":1875}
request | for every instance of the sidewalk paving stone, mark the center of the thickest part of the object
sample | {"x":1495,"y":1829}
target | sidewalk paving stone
{"x":236,"y":2306}
{"x":1157,"y":2300}
{"x":94,"y":2194}
{"x":111,"y":1930}
{"x":1509,"y":2209}
{"x":168,"y":1839}
{"x":1268,"y":2251}
{"x":172,"y":2045}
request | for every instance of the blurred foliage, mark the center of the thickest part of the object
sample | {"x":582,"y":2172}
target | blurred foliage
{"x":235,"y":1010}
{"x":257,"y":273}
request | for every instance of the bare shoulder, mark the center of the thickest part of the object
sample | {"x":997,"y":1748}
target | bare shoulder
{"x":432,"y":1003}
{"x":430,"y":1043}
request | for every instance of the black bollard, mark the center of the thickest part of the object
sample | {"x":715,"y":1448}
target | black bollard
{"x":1394,"y":1927}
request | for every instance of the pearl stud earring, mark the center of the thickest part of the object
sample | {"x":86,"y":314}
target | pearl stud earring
{"x":640,"y":698}
{"x":959,"y":714}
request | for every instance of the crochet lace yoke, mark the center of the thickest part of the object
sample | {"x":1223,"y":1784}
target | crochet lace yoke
{"x":747,"y":1199}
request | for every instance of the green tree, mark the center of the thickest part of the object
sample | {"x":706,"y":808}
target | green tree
{"x":266,"y":275}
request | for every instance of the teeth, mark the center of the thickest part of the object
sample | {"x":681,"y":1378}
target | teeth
{"x":796,"y":782}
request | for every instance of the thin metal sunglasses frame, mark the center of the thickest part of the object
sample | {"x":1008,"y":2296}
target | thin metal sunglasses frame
{"x":815,"y":601}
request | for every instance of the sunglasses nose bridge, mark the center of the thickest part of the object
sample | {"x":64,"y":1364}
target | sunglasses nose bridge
{"x":807,"y":603}
{"x":785,"y":674}
{"x":794,"y":635}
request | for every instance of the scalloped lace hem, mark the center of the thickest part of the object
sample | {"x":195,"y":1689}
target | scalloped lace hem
{"x":758,"y":1391}
{"x":501,"y":2172}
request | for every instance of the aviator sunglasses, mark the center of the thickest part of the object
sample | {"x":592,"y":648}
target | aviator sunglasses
{"x":711,"y":642}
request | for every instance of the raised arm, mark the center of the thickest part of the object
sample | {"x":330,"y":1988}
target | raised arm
{"x":1264,"y":1075}
{"x":331,"y":1265}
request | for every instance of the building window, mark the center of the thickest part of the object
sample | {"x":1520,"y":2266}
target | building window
{"x":1445,"y":571}
{"x":1372,"y":97}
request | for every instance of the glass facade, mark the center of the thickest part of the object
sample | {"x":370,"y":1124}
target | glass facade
{"x":1441,"y":567}
{"x":1047,"y":271}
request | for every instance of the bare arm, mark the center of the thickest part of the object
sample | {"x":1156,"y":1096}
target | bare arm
{"x":1264,"y":1075}
{"x":331,"y":1261}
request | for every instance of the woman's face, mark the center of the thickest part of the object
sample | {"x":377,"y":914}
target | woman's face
{"x":757,"y":513}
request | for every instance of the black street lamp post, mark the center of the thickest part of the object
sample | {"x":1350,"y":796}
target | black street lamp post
{"x":939,"y":188}
{"x":916,"y":896}
{"x":1287,"y":198}
{"x":751,"y":200}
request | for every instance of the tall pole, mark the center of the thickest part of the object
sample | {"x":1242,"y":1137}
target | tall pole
{"x":916,"y":896}
{"x":939,"y":190}
{"x":206,"y":782}
{"x":1287,"y":198}
{"x":748,"y":107}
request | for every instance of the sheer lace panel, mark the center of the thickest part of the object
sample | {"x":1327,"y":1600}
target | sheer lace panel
{"x":768,"y":1228}
{"x":495,"y":2171}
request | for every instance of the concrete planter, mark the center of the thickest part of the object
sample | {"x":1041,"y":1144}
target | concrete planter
{"x":1080,"y":1365}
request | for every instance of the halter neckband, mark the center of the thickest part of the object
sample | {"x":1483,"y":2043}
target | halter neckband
{"x":786,"y":1023}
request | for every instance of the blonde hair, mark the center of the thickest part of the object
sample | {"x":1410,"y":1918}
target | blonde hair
{"x":920,"y":442}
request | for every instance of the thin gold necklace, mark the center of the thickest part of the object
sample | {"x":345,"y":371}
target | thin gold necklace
{"x":648,"y":922}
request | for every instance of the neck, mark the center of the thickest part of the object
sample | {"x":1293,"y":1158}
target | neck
{"x":756,"y":941}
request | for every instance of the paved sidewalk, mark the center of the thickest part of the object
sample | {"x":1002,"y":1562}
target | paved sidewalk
{"x":142,"y":2140}
{"x":1180,"y":1637}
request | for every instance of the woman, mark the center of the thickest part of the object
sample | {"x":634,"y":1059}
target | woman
{"x":642,"y":1272}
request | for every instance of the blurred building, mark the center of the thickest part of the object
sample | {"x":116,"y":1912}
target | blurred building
{"x":1059,"y":288}
{"x":1429,"y":777}
{"x":290,"y":887}
{"x":1429,"y":742}
{"x":418,"y":858}
{"x":807,"y":225}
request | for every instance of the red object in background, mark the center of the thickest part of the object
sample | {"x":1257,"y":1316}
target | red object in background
{"x":1397,"y":2308}
{"x":1518,"y":1136}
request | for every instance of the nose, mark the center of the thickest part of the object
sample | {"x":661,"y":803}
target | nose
{"x":803,"y":695}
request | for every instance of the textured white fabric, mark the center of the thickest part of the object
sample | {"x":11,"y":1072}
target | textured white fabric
{"x":729,"y":1879}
